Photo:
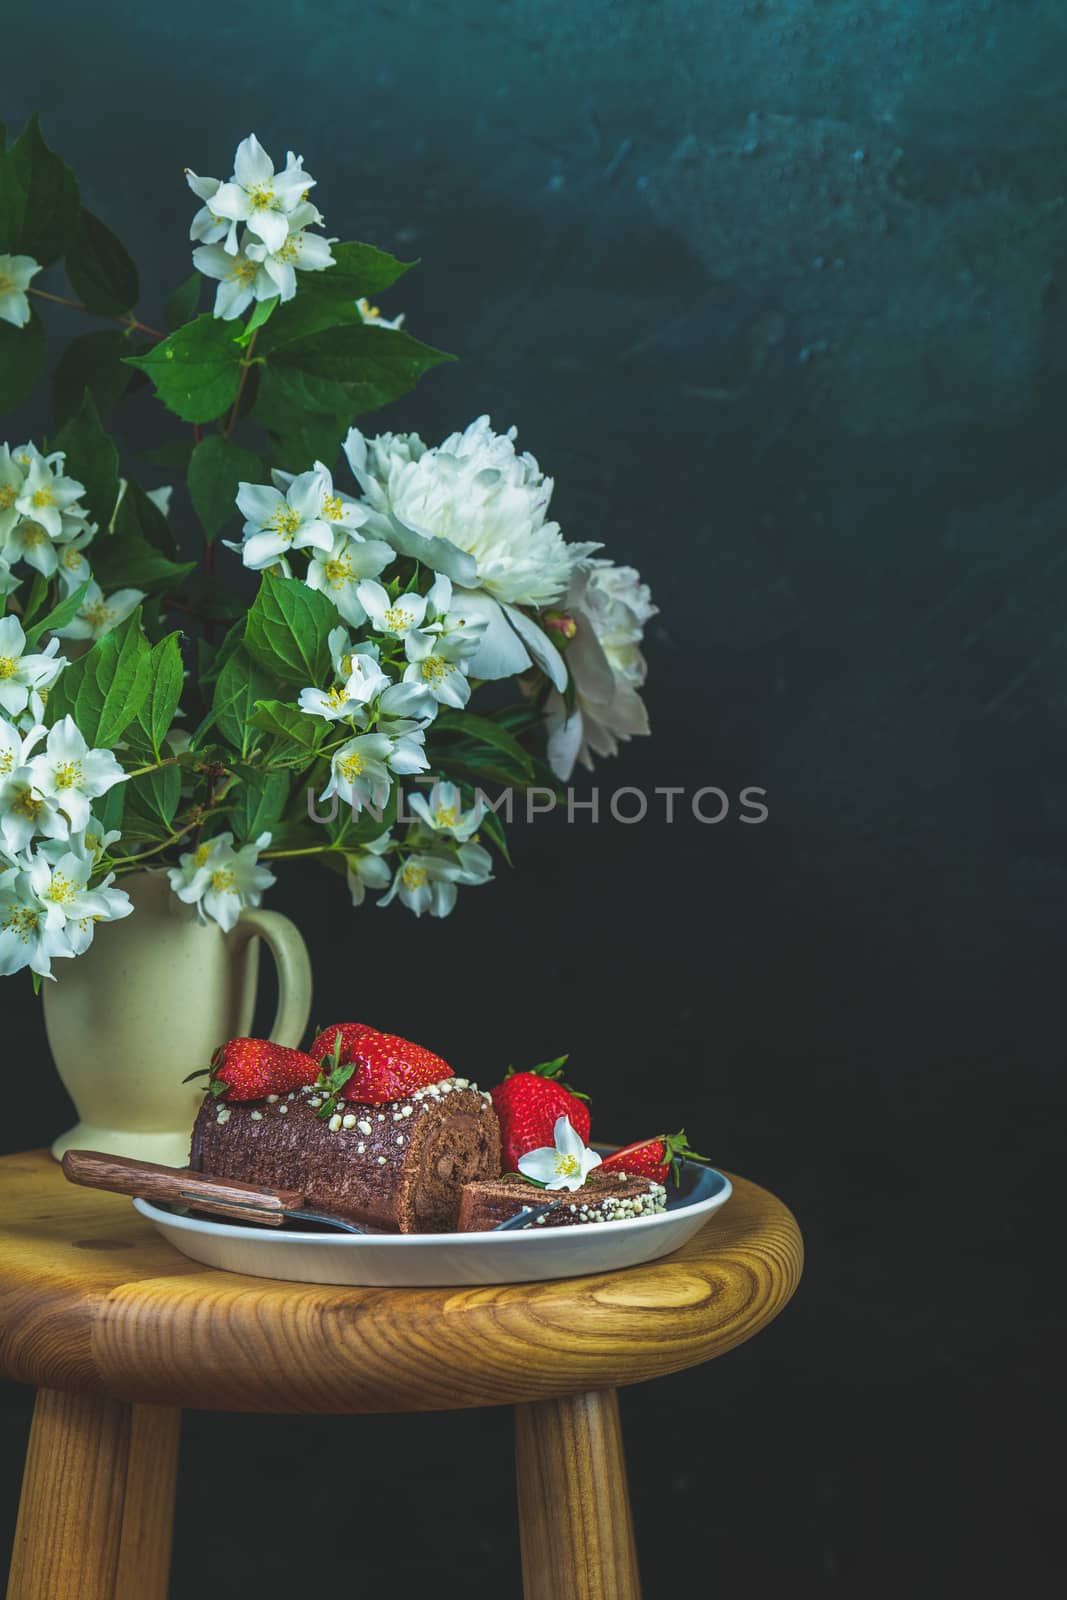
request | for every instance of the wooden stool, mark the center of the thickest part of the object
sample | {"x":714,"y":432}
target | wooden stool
{"x":119,"y":1331}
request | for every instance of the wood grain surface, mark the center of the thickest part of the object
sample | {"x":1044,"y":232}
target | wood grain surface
{"x":93,"y":1299}
{"x":97,"y":1501}
{"x":575,"y":1527}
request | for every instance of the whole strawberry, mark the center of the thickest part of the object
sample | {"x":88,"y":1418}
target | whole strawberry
{"x":251,"y":1069}
{"x":350,"y":1033}
{"x":653,"y":1158}
{"x":389,"y":1068}
{"x":528,"y":1104}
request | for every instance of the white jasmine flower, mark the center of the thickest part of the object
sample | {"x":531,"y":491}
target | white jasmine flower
{"x":72,"y":567}
{"x":70,"y":774}
{"x":276,"y":523}
{"x":59,"y":878}
{"x":207,"y":226}
{"x":337,"y":509}
{"x":15,"y":749}
{"x":26,"y":937}
{"x":161,"y":497}
{"x":95,"y":840}
{"x":405,"y":707}
{"x":301,"y":251}
{"x":219,"y":880}
{"x":338,"y":570}
{"x":16,"y":273}
{"x":361,"y":771}
{"x":8,"y":582}
{"x":240,"y":279}
{"x":425,"y":883}
{"x":442,"y":811}
{"x":366,"y":869}
{"x":20,"y":673}
{"x":12,"y":478}
{"x":564,"y":1165}
{"x":374,"y":319}
{"x":343,"y":651}
{"x":606,"y":671}
{"x":98,"y":614}
{"x":260,"y":197}
{"x":46,"y":495}
{"x":395,"y":617}
{"x":365,"y":680}
{"x":431,"y":663}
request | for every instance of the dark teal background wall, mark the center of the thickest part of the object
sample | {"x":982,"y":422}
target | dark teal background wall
{"x":776,"y":289}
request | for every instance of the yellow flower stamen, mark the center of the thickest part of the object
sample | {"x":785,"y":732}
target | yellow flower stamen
{"x":8,"y":666}
{"x":414,"y":877}
{"x":397,"y":617}
{"x":567,"y":1166}
{"x":69,"y":775}
{"x":446,"y":816}
{"x":350,"y":766}
{"x":223,"y":879}
{"x":8,"y":493}
{"x":434,"y":669}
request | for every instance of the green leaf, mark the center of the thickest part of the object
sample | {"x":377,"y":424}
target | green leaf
{"x":99,"y":269}
{"x":300,"y":437}
{"x":93,"y":361}
{"x":22,"y":353}
{"x":59,"y":615}
{"x":259,"y":804}
{"x":140,"y":518}
{"x":291,"y":727}
{"x":39,"y":204}
{"x":328,"y":299}
{"x":184,"y":302}
{"x":287,"y":630}
{"x":174,"y":454}
{"x":151,"y":801}
{"x":350,"y":370}
{"x":104,"y":689}
{"x":34,"y":601}
{"x":485,"y":731}
{"x":167,"y":675}
{"x":240,"y":684}
{"x":196,"y":370}
{"x":215,"y":470}
{"x":91,"y":458}
{"x":262,"y":312}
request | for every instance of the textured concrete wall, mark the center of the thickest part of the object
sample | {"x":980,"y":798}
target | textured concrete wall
{"x":775,"y":288}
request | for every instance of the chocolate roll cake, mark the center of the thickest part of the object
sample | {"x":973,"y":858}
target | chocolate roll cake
{"x":398,"y":1167}
{"x":603,"y":1197}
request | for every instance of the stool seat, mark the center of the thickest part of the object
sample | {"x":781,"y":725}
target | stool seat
{"x":119,"y":1332}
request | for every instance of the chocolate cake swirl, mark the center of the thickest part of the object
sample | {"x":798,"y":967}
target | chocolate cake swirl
{"x":398,"y":1167}
{"x":603,"y":1197}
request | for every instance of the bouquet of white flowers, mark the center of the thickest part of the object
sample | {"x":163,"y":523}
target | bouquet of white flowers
{"x":326,"y":715}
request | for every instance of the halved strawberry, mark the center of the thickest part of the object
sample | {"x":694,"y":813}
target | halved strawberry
{"x":653,"y":1158}
{"x":251,"y":1069}
{"x":528,"y":1105}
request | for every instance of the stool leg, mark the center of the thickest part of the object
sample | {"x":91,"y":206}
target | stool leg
{"x":574,"y":1504}
{"x":95,"y":1515}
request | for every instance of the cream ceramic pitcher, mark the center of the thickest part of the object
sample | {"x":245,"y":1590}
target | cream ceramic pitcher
{"x":147,"y":1003}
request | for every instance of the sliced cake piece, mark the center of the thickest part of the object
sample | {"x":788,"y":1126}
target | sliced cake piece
{"x":399,"y":1166}
{"x":603,"y":1197}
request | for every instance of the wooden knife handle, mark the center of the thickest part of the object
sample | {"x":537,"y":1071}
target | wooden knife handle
{"x":179,"y":1186}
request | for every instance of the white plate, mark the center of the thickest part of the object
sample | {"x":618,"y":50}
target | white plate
{"x":429,"y":1260}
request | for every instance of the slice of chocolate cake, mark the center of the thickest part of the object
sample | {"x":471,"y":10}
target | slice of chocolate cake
{"x":603,"y":1197}
{"x":397,"y":1167}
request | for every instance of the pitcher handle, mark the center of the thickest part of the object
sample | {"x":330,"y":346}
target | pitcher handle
{"x":286,"y":944}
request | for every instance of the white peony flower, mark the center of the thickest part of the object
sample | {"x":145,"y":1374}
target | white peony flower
{"x":26,"y":937}
{"x":442,"y":811}
{"x":608,"y":606}
{"x":69,"y":774}
{"x":564,"y":1165}
{"x":276,"y":522}
{"x":338,"y":571}
{"x":219,"y":880}
{"x":98,"y":614}
{"x":16,"y":273}
{"x":21,"y":673}
{"x":366,"y":869}
{"x":374,"y":319}
{"x":260,"y":197}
